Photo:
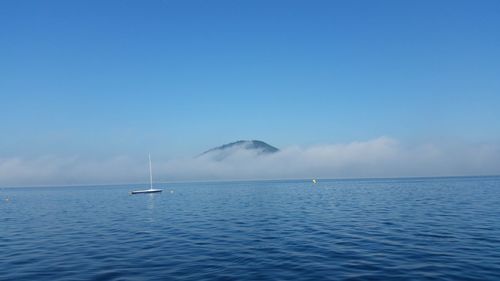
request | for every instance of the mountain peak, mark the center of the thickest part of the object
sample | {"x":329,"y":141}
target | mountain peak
{"x":223,"y":151}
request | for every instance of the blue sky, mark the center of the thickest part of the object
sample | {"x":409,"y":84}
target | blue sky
{"x":178,"y":77}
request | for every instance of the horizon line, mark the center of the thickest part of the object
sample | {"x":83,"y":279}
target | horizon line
{"x":255,"y":180}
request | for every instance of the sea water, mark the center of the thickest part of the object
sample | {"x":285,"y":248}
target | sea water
{"x":393,"y":229}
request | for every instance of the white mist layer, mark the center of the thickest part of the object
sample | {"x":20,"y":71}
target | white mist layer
{"x":381,"y":157}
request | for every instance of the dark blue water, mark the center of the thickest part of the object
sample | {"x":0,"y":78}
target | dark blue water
{"x":411,"y":229}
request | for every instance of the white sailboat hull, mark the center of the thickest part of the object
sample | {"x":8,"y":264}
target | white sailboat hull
{"x":146,"y":191}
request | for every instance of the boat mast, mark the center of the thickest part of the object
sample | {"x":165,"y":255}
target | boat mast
{"x":150,"y":173}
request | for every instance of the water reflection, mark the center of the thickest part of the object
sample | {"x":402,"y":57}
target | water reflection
{"x":151,"y":201}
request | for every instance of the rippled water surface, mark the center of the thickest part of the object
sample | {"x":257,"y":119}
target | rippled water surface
{"x":407,"y":229}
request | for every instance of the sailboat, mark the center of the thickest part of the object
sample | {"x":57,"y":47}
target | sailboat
{"x":151,"y":189}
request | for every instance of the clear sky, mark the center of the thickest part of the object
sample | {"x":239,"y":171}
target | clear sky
{"x":179,"y":77}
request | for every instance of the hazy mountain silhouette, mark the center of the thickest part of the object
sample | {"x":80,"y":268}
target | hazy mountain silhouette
{"x":223,"y":151}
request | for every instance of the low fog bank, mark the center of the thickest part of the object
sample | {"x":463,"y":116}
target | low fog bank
{"x":380,"y":157}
